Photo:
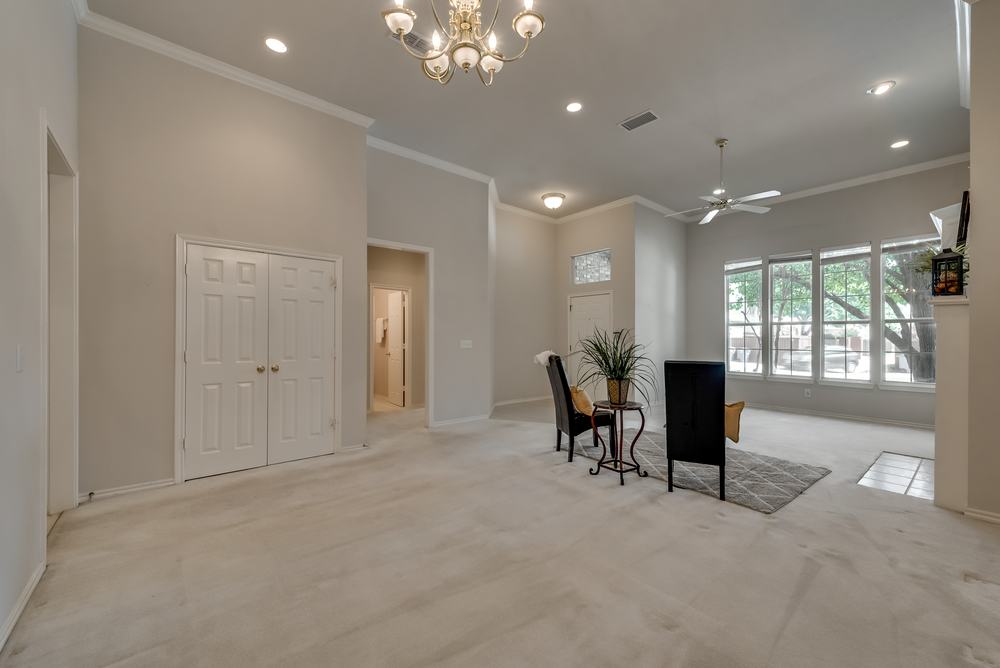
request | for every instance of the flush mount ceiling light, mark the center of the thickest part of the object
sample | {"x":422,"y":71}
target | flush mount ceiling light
{"x":466,"y":44}
{"x":902,"y":143}
{"x":882,"y":88}
{"x":553,"y":200}
{"x":574,"y":107}
{"x":276,"y":45}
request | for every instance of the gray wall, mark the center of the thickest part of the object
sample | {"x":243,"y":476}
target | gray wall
{"x":412,"y":203}
{"x":37,"y":71}
{"x":614,"y":229}
{"x":405,"y":270}
{"x":894,"y":208}
{"x":660,"y":289}
{"x":168,"y":149}
{"x":984,"y":230}
{"x":526,"y":305}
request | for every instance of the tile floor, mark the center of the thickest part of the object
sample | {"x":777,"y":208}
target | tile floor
{"x":901,"y":474}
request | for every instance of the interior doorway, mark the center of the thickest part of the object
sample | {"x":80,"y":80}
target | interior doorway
{"x":61,"y":331}
{"x":398,"y":326}
{"x":587,"y":314}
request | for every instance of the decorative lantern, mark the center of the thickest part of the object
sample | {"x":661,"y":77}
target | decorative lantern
{"x":948,"y":269}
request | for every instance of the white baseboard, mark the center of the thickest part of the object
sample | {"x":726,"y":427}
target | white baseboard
{"x":22,"y":601}
{"x":842,"y":416}
{"x":984,"y":515}
{"x":512,"y":402}
{"x":127,"y":489}
{"x":465,"y":420}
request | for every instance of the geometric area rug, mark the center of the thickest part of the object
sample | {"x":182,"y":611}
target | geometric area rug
{"x":761,"y":483}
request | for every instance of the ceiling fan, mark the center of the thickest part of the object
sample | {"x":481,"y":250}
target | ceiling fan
{"x":719,"y":201}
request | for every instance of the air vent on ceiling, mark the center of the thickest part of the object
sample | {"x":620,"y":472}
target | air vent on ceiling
{"x":638,"y":120}
{"x":418,"y":43}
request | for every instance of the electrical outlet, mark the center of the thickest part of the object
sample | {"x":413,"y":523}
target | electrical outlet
{"x":809,"y":393}
{"x":465,"y":344}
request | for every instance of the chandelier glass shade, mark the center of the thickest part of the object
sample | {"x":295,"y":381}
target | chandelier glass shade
{"x":466,"y":44}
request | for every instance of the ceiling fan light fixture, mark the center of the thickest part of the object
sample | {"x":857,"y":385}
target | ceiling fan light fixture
{"x":719,"y":191}
{"x":881,"y":88}
{"x":553,"y":200}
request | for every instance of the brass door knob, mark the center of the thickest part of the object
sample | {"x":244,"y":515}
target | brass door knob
{"x":275,"y":368}
{"x":261,"y":369}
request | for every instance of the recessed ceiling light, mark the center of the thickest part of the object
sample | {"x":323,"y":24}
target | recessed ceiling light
{"x":574,"y":107}
{"x":553,"y":200}
{"x":882,"y":88}
{"x":275,"y":45}
{"x":902,"y":143}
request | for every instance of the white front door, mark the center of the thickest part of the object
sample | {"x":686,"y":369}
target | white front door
{"x":588,"y":314}
{"x":226,"y":354}
{"x":300,"y":417}
{"x":395,"y":338}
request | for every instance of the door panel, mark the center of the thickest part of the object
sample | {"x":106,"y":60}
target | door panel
{"x":394,"y":340}
{"x":301,"y":336}
{"x":587,"y":314}
{"x":226,"y":340}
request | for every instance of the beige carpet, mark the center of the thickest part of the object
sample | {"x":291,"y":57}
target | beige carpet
{"x":480,"y":545}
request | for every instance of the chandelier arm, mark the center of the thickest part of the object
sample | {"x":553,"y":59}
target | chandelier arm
{"x":493,"y":23}
{"x":486,"y":83}
{"x":488,"y":51}
{"x":437,"y":19}
{"x":426,"y":58}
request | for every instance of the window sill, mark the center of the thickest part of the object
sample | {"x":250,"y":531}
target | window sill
{"x":857,"y":384}
{"x":920,"y":388}
{"x":797,"y":380}
{"x":744,"y":376}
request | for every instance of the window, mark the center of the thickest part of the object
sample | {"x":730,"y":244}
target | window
{"x":791,"y":316}
{"x":909,"y":333}
{"x":744,"y":326}
{"x":847,"y":313}
{"x":592,"y":267}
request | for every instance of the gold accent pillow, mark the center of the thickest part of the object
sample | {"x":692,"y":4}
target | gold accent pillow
{"x":582,"y":400}
{"x":733,"y":412}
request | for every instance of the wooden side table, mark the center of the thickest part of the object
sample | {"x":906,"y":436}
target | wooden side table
{"x":617,"y":462}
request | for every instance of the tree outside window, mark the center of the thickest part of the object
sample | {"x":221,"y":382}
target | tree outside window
{"x":744,"y":326}
{"x":909,"y":332}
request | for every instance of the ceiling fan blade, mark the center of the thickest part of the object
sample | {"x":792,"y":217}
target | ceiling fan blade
{"x":710,"y":198}
{"x":751,"y":208}
{"x":684,"y":213}
{"x":764,"y":195}
{"x":709,"y":216}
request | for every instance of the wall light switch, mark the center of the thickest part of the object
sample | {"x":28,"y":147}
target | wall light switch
{"x":19,"y":359}
{"x":465,"y":344}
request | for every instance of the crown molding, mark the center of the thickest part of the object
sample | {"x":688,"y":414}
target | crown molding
{"x":136,"y":37}
{"x":525,"y":213}
{"x":872,"y":178}
{"x":403,"y":152}
{"x":80,"y":8}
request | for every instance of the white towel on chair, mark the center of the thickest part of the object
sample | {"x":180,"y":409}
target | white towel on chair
{"x":543,"y":358}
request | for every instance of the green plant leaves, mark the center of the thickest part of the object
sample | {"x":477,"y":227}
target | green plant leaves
{"x":617,"y":357}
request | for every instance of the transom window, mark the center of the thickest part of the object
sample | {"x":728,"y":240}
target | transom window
{"x":744,"y":326}
{"x":791,"y":316}
{"x":592,"y":267}
{"x":847,"y":313}
{"x":909,"y":332}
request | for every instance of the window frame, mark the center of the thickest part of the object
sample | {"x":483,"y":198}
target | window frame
{"x":874,"y":350}
{"x":572,"y":266}
{"x":884,"y":246}
{"x":732,"y":268}
{"x":772,"y":348}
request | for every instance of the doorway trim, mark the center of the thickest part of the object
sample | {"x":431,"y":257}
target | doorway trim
{"x":180,"y":329}
{"x":46,"y":134}
{"x":408,"y":331}
{"x":429,"y":353}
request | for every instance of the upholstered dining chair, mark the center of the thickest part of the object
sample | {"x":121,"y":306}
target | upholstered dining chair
{"x":569,"y":420}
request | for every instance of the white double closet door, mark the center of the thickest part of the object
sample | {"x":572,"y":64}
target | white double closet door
{"x":259,"y":360}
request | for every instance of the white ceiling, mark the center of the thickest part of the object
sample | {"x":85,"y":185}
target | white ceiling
{"x":784,"y":80}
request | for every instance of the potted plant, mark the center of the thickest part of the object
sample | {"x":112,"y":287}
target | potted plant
{"x":620,"y":361}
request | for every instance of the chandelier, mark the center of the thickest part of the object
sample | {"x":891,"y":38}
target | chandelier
{"x":465,"y":44}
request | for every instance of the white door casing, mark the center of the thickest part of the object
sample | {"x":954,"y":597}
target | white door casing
{"x":395,"y":340}
{"x":301,"y":366}
{"x":588,"y":314}
{"x":226,"y":354}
